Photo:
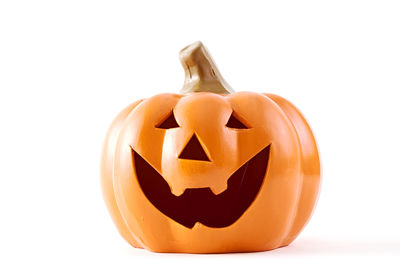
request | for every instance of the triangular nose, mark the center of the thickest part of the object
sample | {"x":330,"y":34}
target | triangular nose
{"x":193,"y":150}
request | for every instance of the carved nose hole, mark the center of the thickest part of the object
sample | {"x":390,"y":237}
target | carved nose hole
{"x":193,"y":150}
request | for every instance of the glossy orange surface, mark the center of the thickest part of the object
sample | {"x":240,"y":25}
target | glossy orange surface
{"x":282,"y":203}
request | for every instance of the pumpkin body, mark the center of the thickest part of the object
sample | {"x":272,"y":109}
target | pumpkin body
{"x":166,"y":197}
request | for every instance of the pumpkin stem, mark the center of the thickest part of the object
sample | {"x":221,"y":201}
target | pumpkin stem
{"x":201,"y":73}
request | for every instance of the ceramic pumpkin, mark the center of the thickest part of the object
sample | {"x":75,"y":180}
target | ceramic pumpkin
{"x":210,"y":170}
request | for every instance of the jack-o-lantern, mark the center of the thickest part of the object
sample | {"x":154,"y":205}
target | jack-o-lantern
{"x":210,"y":170}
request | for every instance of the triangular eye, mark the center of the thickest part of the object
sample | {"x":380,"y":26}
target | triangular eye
{"x":168,"y":123}
{"x":235,"y":123}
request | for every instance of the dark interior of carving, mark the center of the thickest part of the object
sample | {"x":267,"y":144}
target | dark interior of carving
{"x":201,"y":204}
{"x":193,"y":150}
{"x":235,"y":123}
{"x":168,"y":123}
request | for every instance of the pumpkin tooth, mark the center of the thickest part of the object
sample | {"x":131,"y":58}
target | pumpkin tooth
{"x":219,"y":188}
{"x":178,"y":190}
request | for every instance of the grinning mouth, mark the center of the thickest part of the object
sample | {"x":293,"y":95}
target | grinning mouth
{"x":201,"y":204}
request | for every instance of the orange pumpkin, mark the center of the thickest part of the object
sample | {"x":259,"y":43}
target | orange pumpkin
{"x":210,"y":170}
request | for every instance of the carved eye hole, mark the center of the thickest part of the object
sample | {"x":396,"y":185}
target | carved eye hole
{"x":168,"y":123}
{"x":235,"y":123}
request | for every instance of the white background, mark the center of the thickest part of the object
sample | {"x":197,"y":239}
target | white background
{"x":68,"y":67}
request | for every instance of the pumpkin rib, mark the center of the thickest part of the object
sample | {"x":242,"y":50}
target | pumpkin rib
{"x":107,"y":174}
{"x":299,"y":178}
{"x":310,"y":166}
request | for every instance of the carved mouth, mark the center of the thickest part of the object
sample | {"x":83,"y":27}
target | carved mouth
{"x":201,"y":204}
